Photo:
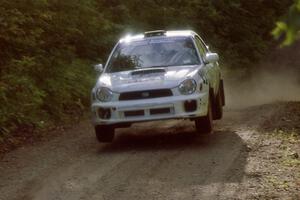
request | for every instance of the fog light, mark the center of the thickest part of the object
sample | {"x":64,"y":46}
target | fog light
{"x":104,"y":113}
{"x":190,"y":106}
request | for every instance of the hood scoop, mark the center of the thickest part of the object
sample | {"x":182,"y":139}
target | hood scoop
{"x":147,"y":71}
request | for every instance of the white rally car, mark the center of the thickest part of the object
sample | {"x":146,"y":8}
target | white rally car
{"x":154,"y":76}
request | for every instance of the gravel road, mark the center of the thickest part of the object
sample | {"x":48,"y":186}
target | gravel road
{"x":157,"y":160}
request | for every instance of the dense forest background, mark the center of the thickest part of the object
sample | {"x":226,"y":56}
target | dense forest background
{"x":47,"y":47}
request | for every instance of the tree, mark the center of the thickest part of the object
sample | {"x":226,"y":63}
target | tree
{"x":47,"y":46}
{"x":289,"y":27}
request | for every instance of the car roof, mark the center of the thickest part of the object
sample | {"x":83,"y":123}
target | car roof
{"x":157,"y":34}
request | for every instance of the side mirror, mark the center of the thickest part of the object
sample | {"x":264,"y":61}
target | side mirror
{"x":211,"y":58}
{"x":98,"y":68}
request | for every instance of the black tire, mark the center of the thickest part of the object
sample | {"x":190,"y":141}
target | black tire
{"x":204,"y":125}
{"x":218,"y":114}
{"x":105,"y":134}
{"x":222,"y":92}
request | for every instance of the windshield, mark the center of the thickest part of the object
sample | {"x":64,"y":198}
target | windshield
{"x":159,"y":52}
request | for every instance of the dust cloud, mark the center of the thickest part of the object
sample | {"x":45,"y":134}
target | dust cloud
{"x":276,"y":78}
{"x":263,"y":87}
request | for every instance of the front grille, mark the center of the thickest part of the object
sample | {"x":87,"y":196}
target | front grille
{"x":146,"y":94}
{"x":134,"y":113}
{"x":158,"y":111}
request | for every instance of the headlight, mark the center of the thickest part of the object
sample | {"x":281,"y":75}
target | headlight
{"x":187,"y":87}
{"x":104,"y":94}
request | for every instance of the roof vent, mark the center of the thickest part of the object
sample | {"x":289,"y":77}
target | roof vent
{"x":155,"y":33}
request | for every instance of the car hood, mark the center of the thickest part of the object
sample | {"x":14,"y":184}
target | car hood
{"x":147,"y":79}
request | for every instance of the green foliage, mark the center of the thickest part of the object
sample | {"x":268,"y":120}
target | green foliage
{"x":47,"y":46}
{"x":45,"y":56}
{"x":289,"y":28}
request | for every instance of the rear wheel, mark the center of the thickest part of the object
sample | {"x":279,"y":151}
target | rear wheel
{"x":222,"y":92}
{"x":105,"y":134}
{"x":204,"y":125}
{"x":218,"y":114}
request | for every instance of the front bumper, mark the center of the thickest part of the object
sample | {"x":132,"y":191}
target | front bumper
{"x":132,"y":111}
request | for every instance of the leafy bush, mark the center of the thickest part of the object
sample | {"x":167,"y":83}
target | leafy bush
{"x":289,"y":27}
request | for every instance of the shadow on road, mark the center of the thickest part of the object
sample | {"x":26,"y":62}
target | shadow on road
{"x":156,"y":141}
{"x":217,"y":158}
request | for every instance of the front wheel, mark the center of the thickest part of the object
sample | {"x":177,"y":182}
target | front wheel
{"x":104,"y":133}
{"x":204,"y":125}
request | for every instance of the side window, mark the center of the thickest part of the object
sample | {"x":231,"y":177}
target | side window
{"x":201,"y":47}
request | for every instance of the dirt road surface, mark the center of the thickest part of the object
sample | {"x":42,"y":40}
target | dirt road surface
{"x":157,"y":160}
